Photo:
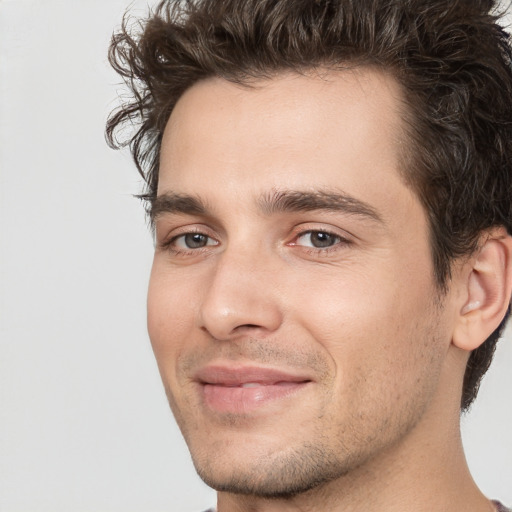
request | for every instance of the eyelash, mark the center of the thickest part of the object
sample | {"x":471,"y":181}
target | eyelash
{"x":339,"y":240}
{"x":169,"y":245}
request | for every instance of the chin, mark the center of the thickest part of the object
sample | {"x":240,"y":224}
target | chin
{"x":273,"y":475}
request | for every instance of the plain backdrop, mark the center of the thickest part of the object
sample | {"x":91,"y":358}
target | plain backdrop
{"x":84,"y":423}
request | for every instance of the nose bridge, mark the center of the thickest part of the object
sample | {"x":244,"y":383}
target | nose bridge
{"x":241,"y":294}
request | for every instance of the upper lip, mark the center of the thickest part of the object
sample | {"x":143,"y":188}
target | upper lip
{"x":229,"y":375}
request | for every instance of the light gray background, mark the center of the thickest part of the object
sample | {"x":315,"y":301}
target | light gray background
{"x":84,"y":424}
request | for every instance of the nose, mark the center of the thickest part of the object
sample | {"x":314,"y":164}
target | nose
{"x":241,"y":298}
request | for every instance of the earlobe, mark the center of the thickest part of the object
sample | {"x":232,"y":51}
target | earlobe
{"x":487,"y":291}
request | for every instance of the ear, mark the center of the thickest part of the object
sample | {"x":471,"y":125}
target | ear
{"x":486,"y":293}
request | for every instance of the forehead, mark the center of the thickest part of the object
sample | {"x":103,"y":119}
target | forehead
{"x":301,"y":131}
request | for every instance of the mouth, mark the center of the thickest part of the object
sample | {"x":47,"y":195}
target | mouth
{"x":241,"y":390}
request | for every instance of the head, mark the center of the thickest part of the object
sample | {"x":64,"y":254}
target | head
{"x":452,"y":60}
{"x":446,"y":64}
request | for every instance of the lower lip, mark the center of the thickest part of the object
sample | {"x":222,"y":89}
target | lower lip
{"x":239,"y":400}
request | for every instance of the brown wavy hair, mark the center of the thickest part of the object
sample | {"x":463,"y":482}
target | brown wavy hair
{"x":451,"y":57}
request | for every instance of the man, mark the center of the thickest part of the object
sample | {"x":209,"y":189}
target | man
{"x":329,"y":183}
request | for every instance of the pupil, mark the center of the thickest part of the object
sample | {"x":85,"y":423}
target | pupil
{"x":320,"y":239}
{"x":195,"y":240}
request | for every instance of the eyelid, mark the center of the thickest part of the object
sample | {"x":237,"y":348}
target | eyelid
{"x":311,"y":227}
{"x":312,"y":231}
{"x":174,"y":240}
{"x":343,"y":240}
{"x":171,"y":235}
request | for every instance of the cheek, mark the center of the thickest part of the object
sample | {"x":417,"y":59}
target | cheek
{"x":377,"y":333}
{"x":168,"y":321}
{"x":387,"y":362}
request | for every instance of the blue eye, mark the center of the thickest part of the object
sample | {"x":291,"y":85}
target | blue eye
{"x":318,"y":239}
{"x":193,"y":241}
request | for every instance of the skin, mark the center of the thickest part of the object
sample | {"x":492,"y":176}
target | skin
{"x":376,"y":427}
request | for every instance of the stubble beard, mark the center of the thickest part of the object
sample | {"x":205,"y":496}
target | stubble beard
{"x":318,"y":459}
{"x":282,"y":477}
{"x":307,"y":468}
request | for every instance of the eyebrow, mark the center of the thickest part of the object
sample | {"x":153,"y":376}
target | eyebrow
{"x":305,"y":201}
{"x":277,"y":201}
{"x":170,"y":202}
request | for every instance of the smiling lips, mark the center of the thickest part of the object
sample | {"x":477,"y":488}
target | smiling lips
{"x":245,"y":389}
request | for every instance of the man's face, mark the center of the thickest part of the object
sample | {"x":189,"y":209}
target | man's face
{"x":292,"y":306}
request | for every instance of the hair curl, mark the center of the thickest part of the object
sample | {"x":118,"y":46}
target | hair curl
{"x":451,"y":57}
